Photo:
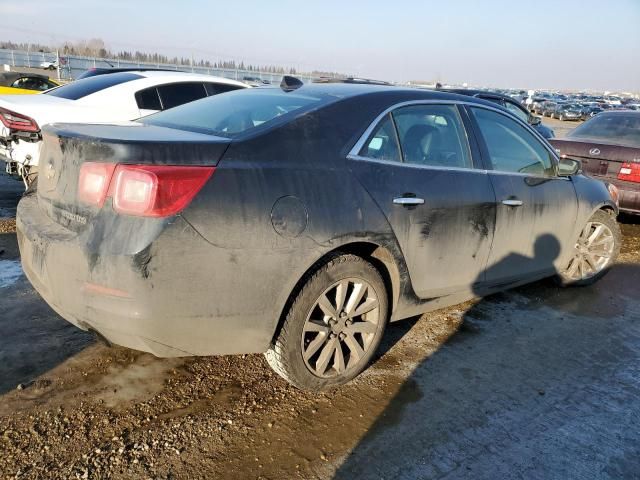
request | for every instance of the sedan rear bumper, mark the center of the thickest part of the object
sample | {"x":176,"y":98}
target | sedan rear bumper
{"x":161,"y":300}
{"x":629,"y":192}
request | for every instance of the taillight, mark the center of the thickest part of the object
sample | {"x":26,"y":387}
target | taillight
{"x":93,"y":184}
{"x":141,"y":190}
{"x":17,"y":121}
{"x":629,"y":172}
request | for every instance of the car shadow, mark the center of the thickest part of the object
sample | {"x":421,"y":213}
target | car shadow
{"x":628,"y":219}
{"x":537,"y":382}
{"x":33,"y":338}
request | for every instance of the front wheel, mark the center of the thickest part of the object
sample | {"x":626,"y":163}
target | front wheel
{"x":595,"y":251}
{"x":334,"y":325}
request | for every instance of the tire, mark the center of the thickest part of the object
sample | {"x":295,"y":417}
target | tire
{"x":295,"y":355}
{"x":611,"y":230}
{"x":561,"y":118}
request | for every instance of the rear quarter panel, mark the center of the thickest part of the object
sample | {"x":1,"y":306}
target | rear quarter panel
{"x":279,"y":202}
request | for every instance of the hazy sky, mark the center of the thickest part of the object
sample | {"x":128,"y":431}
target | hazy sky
{"x":518,"y":43}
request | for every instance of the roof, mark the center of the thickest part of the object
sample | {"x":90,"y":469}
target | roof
{"x":345,"y":90}
{"x":173,"y":75}
{"x":475,"y":92}
{"x":621,"y":111}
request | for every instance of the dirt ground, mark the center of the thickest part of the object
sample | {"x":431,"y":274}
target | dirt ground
{"x":538,"y":382}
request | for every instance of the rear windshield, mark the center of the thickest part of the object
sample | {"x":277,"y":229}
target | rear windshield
{"x":86,"y":86}
{"x":236,"y":112}
{"x":615,"y":128}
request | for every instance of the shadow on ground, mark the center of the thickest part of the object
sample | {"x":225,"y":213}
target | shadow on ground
{"x":33,"y":338}
{"x":540,"y":382}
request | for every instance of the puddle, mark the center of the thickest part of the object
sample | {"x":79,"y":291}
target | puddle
{"x":10,"y":272}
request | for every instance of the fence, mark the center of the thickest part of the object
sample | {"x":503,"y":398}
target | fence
{"x":70,"y":66}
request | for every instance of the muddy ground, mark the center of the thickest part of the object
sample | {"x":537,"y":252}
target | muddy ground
{"x":538,"y":382}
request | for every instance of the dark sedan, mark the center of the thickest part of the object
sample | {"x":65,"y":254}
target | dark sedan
{"x":548,"y":108}
{"x":609,"y":147}
{"x":299,"y":221}
{"x":567,"y":111}
{"x":510,"y":104}
{"x":589,"y":111}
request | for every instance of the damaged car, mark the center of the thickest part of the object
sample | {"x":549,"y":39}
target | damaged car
{"x":113,"y":97}
{"x":298,"y":221}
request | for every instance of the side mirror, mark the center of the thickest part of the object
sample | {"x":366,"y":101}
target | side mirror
{"x":568,"y":167}
{"x":533,"y":120}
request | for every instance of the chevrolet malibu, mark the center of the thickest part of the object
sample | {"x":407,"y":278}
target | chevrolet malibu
{"x":298,"y":221}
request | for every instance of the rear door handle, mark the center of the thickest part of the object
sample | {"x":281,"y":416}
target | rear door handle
{"x":408,"y":201}
{"x":512,"y":202}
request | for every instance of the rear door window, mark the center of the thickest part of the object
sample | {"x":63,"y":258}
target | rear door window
{"x":433,"y":135}
{"x":176,"y":94}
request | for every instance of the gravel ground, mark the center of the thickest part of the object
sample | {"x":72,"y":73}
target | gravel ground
{"x":538,"y":382}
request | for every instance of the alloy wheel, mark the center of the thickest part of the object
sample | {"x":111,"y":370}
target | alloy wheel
{"x":593,"y":251}
{"x":340,"y":328}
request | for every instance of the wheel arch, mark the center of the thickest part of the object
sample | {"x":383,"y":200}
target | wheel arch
{"x":379,"y":256}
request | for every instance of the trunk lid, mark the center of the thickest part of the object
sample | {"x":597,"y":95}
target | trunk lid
{"x":45,"y":109}
{"x":66,"y":147}
{"x":599,"y":159}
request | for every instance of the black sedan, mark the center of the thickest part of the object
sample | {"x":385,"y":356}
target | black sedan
{"x":608,"y":145}
{"x":512,"y":105}
{"x":299,"y":221}
{"x":567,"y":111}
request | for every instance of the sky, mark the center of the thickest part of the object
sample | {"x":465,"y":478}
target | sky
{"x":561,"y":44}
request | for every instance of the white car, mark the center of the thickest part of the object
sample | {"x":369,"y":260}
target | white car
{"x":113,"y":97}
{"x":49,"y":65}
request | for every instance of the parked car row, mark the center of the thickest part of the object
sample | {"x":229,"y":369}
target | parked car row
{"x":576,"y":107}
{"x":570,"y":111}
{"x":294,"y":221}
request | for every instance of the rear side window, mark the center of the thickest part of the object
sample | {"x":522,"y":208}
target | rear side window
{"x":236,"y":112}
{"x":433,"y":135}
{"x":383,"y":143}
{"x":216,"y":88}
{"x":176,"y":94}
{"x":148,"y":99}
{"x":81,"y":88}
{"x":511,"y":147}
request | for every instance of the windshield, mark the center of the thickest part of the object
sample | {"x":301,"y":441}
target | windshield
{"x":82,"y":88}
{"x":233,"y":113}
{"x":618,"y":128}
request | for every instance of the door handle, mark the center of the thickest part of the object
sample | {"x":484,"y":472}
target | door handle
{"x":408,"y":201}
{"x":512,"y":202}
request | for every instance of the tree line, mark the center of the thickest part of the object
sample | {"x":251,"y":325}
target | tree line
{"x":96,"y":47}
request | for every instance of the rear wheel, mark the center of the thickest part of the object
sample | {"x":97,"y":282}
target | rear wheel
{"x":595,"y":251}
{"x":333,"y":326}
